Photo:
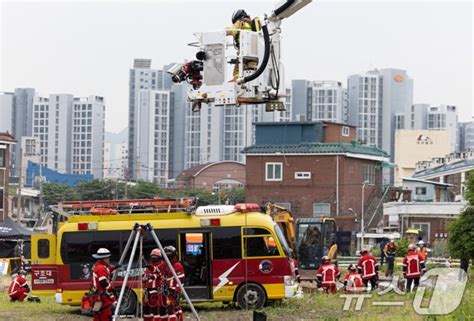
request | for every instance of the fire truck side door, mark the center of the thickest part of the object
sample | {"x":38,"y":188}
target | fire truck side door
{"x":43,"y":264}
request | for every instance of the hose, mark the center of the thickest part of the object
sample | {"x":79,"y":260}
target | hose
{"x":283,"y":7}
{"x":266,"y":56}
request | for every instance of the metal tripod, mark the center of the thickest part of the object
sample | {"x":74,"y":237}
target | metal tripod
{"x":136,"y":235}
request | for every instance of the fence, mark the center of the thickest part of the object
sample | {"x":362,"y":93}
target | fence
{"x":345,"y":261}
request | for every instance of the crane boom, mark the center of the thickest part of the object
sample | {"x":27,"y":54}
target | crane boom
{"x":260,"y":69}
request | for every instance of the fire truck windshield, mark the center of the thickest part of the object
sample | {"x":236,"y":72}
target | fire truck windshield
{"x":281,"y":238}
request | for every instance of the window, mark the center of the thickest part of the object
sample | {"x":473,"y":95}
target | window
{"x":369,"y":173}
{"x":309,"y":236}
{"x":273,"y":171}
{"x":302,"y":175}
{"x":259,"y":242}
{"x":321,"y":209}
{"x":421,"y":191}
{"x":345,"y":131}
{"x":226,"y":243}
{"x":43,"y":249}
{"x":2,"y":157}
{"x":425,"y":228}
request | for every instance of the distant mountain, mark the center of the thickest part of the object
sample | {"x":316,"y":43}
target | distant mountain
{"x":117,"y":138}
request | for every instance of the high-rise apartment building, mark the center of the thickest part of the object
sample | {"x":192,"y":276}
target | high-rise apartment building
{"x":166,"y":137}
{"x":379,"y":103}
{"x":6,"y":109}
{"x":69,"y":129}
{"x":71,"y":133}
{"x":323,"y":100}
{"x":16,"y":118}
{"x":88,"y":128}
{"x":444,"y":117}
{"x":466,"y":135}
{"x":153,"y":136}
{"x":143,"y":80}
{"x":220,"y":133}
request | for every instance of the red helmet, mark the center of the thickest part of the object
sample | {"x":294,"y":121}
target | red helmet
{"x":352,"y":267}
{"x":326,"y":259}
{"x":362,"y":251}
{"x":411,"y":247}
{"x":155,"y":252}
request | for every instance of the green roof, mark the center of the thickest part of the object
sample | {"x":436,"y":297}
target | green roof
{"x":315,"y":148}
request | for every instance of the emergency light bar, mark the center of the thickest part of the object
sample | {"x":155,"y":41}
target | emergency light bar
{"x":247,"y":207}
{"x":87,"y":226}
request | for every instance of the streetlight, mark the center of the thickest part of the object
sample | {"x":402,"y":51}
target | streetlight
{"x":362,"y":215}
{"x":356,"y":243}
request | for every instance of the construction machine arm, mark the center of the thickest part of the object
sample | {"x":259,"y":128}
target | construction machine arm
{"x":284,"y":218}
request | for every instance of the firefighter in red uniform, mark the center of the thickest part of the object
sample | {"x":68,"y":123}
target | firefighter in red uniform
{"x":153,"y":280}
{"x":104,"y":298}
{"x":171,"y":290}
{"x":413,"y":267}
{"x":353,"y":281}
{"x":368,"y":267}
{"x":327,"y":274}
{"x":19,"y":287}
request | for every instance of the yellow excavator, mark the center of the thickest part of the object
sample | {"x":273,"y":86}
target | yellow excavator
{"x":308,"y":246}
{"x":285,"y":221}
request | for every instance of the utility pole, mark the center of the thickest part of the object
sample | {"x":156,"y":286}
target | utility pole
{"x":18,"y":197}
{"x":362,"y":216}
{"x":41,"y":190}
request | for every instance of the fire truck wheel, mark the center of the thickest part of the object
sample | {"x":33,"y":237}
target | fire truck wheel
{"x":251,"y":296}
{"x":129,"y":302}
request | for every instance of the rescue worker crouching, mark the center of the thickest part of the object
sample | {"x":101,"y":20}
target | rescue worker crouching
{"x":368,"y":267}
{"x":327,"y":275}
{"x":153,"y":279}
{"x":353,"y":281}
{"x":413,"y":267}
{"x":103,"y":299}
{"x":172,"y":308}
{"x":18,"y":289}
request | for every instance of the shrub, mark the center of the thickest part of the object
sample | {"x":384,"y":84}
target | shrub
{"x":402,"y":246}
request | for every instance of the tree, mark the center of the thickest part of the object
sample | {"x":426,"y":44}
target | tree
{"x":96,"y":189}
{"x":469,"y":192}
{"x":402,"y":246}
{"x":145,"y":190}
{"x":204,"y":197}
{"x":461,"y":235}
{"x":461,"y":230}
{"x":237,"y":195}
{"x":54,"y":193}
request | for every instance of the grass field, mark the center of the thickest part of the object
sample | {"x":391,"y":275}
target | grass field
{"x":313,"y":306}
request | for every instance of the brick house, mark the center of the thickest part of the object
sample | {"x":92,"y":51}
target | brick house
{"x":313,"y":168}
{"x":6,"y":141}
{"x":212,"y":176}
{"x":428,"y":207}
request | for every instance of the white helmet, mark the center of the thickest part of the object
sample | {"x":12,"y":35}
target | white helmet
{"x":421,"y":242}
{"x":102,"y":253}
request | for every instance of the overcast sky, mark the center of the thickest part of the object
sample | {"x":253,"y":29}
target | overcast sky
{"x":87,"y":48}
